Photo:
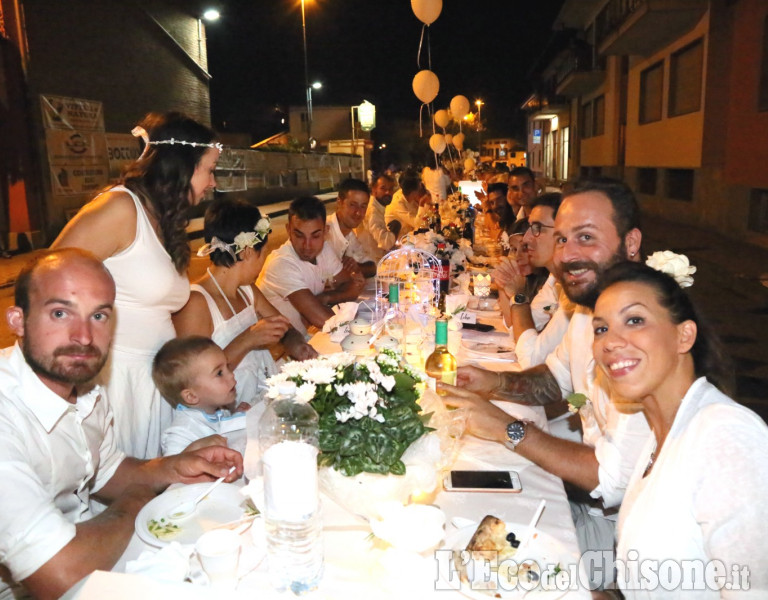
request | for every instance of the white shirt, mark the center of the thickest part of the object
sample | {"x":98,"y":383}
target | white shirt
{"x":534,"y":345}
{"x":342,"y":244}
{"x":191,"y":424}
{"x":410,"y":215}
{"x":285,"y":273}
{"x":373,"y":234}
{"x":617,"y":437}
{"x":705,"y":497}
{"x":53,"y":456}
{"x":436,"y":181}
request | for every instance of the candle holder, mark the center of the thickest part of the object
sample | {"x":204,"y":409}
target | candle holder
{"x":482,"y":285}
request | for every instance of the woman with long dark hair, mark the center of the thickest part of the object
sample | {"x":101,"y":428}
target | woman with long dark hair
{"x":697,"y":495}
{"x":138,"y":228}
{"x":226,"y":306}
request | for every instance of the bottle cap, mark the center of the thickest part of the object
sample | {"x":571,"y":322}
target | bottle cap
{"x":394,"y":293}
{"x":441,"y":332}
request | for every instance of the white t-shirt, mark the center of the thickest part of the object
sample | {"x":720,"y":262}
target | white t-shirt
{"x":341,"y":244}
{"x":617,"y":437}
{"x":285,"y":273}
{"x":191,"y":424}
{"x":410,"y":215}
{"x":53,"y":456}
{"x":551,"y":318}
{"x":703,"y":500}
{"x":373,"y":234}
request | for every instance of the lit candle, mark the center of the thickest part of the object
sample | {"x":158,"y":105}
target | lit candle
{"x":482,"y":283}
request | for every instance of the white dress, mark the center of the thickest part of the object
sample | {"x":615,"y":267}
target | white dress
{"x":149,"y":289}
{"x":255,"y":366}
{"x":703,"y":501}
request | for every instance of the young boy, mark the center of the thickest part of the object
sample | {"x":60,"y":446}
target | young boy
{"x":192,"y":374}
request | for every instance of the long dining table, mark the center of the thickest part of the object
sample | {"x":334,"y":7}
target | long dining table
{"x":357,"y":565}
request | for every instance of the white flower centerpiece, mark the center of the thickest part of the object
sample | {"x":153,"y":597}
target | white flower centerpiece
{"x":456,"y":249}
{"x":374,"y":440}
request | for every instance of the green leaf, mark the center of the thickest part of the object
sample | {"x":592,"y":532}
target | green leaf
{"x":352,"y":442}
{"x":577,"y":400}
{"x":381,"y":448}
{"x":397,"y":468}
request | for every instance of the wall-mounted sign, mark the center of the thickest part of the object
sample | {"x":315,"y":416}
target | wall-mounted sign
{"x":60,"y":112}
{"x":537,"y":136}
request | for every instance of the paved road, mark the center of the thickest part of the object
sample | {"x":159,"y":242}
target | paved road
{"x":731,"y":288}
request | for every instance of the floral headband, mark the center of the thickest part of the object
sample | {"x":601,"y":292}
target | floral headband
{"x":675,"y":265}
{"x":243,"y":240}
{"x":139,"y":131}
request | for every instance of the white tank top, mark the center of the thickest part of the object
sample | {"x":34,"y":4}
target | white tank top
{"x":148,"y":289}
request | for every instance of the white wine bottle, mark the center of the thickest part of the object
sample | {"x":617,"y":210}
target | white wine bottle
{"x":441,"y":364}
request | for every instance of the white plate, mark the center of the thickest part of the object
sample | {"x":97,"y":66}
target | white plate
{"x":543,"y":548}
{"x":224,"y":505}
{"x":494,"y":349}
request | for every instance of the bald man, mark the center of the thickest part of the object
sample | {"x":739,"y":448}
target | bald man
{"x":57,"y":446}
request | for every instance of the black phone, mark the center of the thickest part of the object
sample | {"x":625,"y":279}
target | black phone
{"x":477,"y":326}
{"x":482,"y":481}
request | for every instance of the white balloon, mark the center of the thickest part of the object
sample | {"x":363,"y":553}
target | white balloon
{"x":442,"y":118}
{"x":459,"y":107}
{"x":469,"y":164}
{"x":458,"y":141}
{"x":437,"y":143}
{"x":427,"y":11}
{"x":426,"y":85}
{"x":448,"y":138}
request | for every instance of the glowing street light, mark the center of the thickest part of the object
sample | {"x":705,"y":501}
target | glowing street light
{"x":211,"y":14}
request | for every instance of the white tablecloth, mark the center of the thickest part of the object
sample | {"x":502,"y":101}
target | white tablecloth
{"x":358,"y":566}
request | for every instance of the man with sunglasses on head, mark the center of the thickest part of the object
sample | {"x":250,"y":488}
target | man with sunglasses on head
{"x":539,"y":323}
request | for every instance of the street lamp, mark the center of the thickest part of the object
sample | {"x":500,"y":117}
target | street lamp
{"x":366,"y":115}
{"x":306,"y":77}
{"x":211,"y":14}
{"x":315,"y":86}
{"x":479,"y":103}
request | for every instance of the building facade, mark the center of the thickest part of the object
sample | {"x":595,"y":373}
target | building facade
{"x":670,"y":96}
{"x":81,"y":74}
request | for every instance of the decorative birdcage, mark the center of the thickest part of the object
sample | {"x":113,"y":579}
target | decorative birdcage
{"x":417,"y":275}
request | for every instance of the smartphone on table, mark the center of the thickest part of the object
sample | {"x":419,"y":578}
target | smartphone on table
{"x":482,"y":481}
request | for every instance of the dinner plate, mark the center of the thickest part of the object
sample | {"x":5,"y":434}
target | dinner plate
{"x":495,"y":349}
{"x":223,"y":505}
{"x":544,"y":549}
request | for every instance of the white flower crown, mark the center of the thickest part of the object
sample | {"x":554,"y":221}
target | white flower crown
{"x":675,"y":265}
{"x":243,"y":240}
{"x":139,"y":131}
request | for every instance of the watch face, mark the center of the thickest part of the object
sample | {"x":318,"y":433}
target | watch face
{"x":520,"y":299}
{"x":516,"y":432}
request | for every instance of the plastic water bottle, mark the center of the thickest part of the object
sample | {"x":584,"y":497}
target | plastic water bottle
{"x":288,"y":439}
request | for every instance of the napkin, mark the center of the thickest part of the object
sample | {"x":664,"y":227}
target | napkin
{"x":453,"y":302}
{"x":463,"y":281}
{"x":170,"y":563}
{"x":336,"y":325}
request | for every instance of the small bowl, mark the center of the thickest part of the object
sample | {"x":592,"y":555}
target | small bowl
{"x":360,"y":327}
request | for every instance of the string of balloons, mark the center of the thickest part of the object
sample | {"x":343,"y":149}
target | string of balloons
{"x":426,"y":86}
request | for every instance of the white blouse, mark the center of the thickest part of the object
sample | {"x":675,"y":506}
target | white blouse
{"x":702,"y":503}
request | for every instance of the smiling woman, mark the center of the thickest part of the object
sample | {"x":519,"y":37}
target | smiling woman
{"x":702,"y":478}
{"x":138,"y":229}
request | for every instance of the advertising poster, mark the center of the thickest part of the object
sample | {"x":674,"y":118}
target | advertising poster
{"x":77,"y":160}
{"x":122,"y":149}
{"x":60,"y":112}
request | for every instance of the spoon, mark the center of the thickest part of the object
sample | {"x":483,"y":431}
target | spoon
{"x":531,"y":528}
{"x":184,"y":509}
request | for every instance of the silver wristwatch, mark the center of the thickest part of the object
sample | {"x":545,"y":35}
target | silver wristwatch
{"x":515,"y":433}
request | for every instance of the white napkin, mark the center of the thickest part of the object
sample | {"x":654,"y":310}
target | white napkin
{"x":170,"y":563}
{"x":453,"y":302}
{"x":337,"y":325}
{"x":463,"y":282}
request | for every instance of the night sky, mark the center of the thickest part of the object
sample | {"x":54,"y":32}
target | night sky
{"x":367,"y":49}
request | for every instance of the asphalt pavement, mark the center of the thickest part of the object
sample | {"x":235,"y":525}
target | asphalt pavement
{"x":731,"y":288}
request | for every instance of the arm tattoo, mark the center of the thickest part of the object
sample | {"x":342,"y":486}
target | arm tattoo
{"x":535,"y":386}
